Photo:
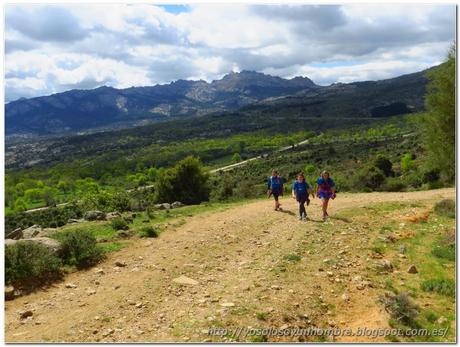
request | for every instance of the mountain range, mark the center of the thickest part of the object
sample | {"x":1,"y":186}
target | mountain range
{"x":108,"y":108}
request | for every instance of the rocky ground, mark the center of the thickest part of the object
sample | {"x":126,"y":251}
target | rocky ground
{"x":247,"y":266}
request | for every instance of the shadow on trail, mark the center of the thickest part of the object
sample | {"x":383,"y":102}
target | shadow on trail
{"x":343,"y":219}
{"x":287,"y":211}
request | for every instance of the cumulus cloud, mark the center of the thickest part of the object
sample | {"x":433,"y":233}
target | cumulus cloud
{"x":52,"y":48}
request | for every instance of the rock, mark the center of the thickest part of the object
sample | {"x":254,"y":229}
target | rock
{"x":112,"y":215}
{"x":227,"y":304}
{"x":402,"y":249}
{"x":185,"y":280}
{"x":330,"y":274}
{"x":345,"y":297}
{"x":9,"y":293}
{"x":90,"y":292}
{"x":120,"y":263}
{"x":26,"y":314}
{"x":94,"y":215}
{"x":386,"y":265}
{"x":16,"y":234}
{"x":357,"y":279}
{"x":70,"y":285}
{"x":51,"y":244}
{"x":360,"y":286}
{"x":73,"y":220}
{"x":164,"y":206}
{"x":107,"y":332}
{"x":123,"y":234}
{"x":99,"y":271}
{"x":10,"y":242}
{"x":46,"y":232}
{"x":441,"y":320}
{"x":275,"y":287}
{"x":412,"y":269}
{"x":176,"y":204}
{"x":31,"y":232}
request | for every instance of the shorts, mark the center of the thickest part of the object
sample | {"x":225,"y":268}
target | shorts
{"x":276,"y":195}
{"x":325,"y":194}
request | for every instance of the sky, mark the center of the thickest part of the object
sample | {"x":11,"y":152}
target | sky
{"x":58,"y":47}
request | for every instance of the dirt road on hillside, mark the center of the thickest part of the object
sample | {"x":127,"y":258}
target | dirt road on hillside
{"x":245,"y":274}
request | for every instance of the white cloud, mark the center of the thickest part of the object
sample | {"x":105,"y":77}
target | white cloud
{"x":51,"y":48}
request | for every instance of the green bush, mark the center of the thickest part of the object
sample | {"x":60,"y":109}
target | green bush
{"x":29,"y":261}
{"x":186,"y":182}
{"x":79,"y":248}
{"x":440,"y":286}
{"x":446,"y":208}
{"x":444,"y":251}
{"x":148,"y":232}
{"x":119,"y":223}
{"x":402,"y":308}
{"x":394,"y":184}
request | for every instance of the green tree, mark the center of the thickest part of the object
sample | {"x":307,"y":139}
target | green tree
{"x":438,"y":124}
{"x":407,"y":163}
{"x":236,"y":158}
{"x":385,"y":165}
{"x":20,"y":205}
{"x":186,"y":182}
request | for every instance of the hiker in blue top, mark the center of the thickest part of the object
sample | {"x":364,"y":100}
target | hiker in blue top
{"x":300,"y":192}
{"x":275,"y":188}
{"x":325,"y":190}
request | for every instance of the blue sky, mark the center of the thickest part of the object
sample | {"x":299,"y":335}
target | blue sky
{"x":53,"y":48}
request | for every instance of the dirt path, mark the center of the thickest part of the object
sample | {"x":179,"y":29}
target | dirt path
{"x":254,"y":268}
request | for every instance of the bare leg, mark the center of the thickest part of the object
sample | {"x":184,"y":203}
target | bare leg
{"x":325,"y":203}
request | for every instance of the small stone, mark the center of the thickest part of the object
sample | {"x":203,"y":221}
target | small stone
{"x":70,"y":285}
{"x":275,"y":287}
{"x":120,"y":263}
{"x":345,"y":297}
{"x":284,"y":327}
{"x":227,"y":304}
{"x":139,"y":305}
{"x":26,"y":314}
{"x":360,"y":286}
{"x":441,"y":320}
{"x":90,"y":292}
{"x":99,"y":271}
{"x":412,"y":269}
{"x":185,"y":281}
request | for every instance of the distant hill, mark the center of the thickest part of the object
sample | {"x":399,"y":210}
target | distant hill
{"x":78,"y":110}
{"x":246,"y":92}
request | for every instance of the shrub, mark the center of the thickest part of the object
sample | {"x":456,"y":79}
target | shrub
{"x":148,"y":232}
{"x":445,"y":207}
{"x":29,"y":261}
{"x":79,"y":248}
{"x":385,"y":165}
{"x":119,"y":223}
{"x":401,"y":308}
{"x":440,"y":286}
{"x":394,"y":184}
{"x":186,"y":182}
{"x":444,"y":251}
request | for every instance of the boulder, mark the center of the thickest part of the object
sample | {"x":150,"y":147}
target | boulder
{"x":412,"y":269}
{"x":94,"y":215}
{"x":10,"y":242}
{"x":52,"y":244}
{"x":73,"y":220}
{"x":9,"y":293}
{"x":16,"y":234}
{"x":31,"y":232}
{"x":46,"y":232}
{"x":112,"y":215}
{"x":176,"y":204}
{"x":164,"y":206}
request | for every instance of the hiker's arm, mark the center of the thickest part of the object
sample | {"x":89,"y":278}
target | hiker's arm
{"x":293,"y":193}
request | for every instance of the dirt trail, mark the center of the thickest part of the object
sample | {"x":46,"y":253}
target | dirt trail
{"x":241,"y":259}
